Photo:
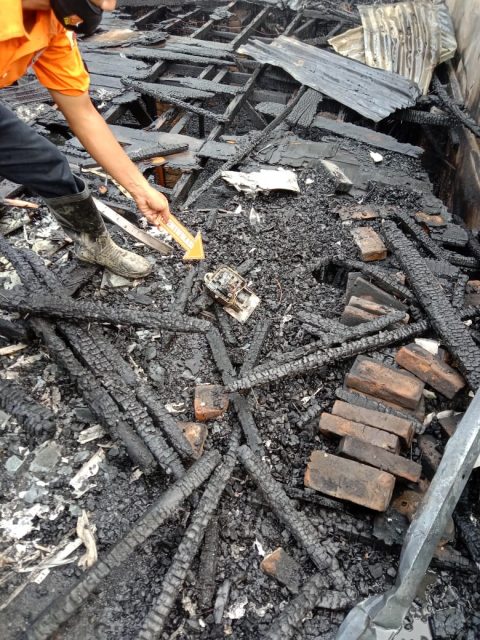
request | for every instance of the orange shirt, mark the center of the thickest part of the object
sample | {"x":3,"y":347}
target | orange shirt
{"x":50,"y":50}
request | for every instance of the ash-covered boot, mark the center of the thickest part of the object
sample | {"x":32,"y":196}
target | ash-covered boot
{"x":81,"y":220}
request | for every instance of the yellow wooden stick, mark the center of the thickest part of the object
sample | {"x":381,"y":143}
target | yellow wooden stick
{"x":192,"y":245}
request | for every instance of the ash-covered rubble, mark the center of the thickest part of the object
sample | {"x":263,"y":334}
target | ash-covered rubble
{"x":214,"y":466}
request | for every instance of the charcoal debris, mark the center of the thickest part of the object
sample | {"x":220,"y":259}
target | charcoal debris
{"x":245,"y":479}
{"x":65,"y":605}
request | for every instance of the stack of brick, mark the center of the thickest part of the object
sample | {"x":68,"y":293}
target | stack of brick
{"x":369,"y":458}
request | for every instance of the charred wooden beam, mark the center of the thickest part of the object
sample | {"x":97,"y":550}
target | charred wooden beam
{"x":157,"y":617}
{"x":104,"y":362}
{"x":88,"y":352}
{"x":208,"y":565}
{"x":452,"y":107}
{"x":205,"y":85}
{"x":306,"y":109}
{"x":164,"y":420}
{"x":321,"y":359}
{"x":296,"y":521}
{"x":66,"y":309}
{"x":185,"y":290}
{"x":260,"y":333}
{"x":407,"y":222}
{"x":150,"y":53}
{"x":164,"y":95}
{"x":224,"y":324}
{"x":369,"y":403}
{"x":329,"y":339}
{"x":458,"y":293}
{"x":38,"y":420}
{"x":67,"y":604}
{"x":424,"y":117}
{"x":98,"y":400}
{"x":313,"y":595}
{"x":19,"y":263}
{"x":326,"y":325}
{"x":146,"y":153}
{"x":240,"y":403}
{"x":432,"y":298}
{"x":245,"y":151}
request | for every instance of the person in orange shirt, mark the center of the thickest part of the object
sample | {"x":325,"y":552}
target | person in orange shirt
{"x":42,"y":34}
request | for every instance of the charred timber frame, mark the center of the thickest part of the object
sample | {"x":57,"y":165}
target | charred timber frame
{"x":157,"y":617}
{"x":319,"y":359}
{"x":42,"y":304}
{"x":66,"y":605}
{"x":296,"y":521}
{"x":436,"y":305}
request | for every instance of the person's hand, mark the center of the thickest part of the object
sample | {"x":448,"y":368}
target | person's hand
{"x":153,"y":205}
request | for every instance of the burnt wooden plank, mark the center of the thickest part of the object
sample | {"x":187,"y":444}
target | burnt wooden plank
{"x":369,"y":136}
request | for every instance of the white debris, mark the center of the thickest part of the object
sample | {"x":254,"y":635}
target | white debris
{"x":263,"y":180}
{"x":376,"y":157}
{"x":237,"y":610}
{"x":431,"y":346}
{"x":173,"y":407}
{"x":136,"y":475}
{"x":91,"y":433}
{"x":255,"y":218}
{"x":85,"y":532}
{"x":80,"y":481}
{"x":309,"y":181}
{"x":21,"y":522}
{"x":238,"y":210}
{"x":428,"y":419}
{"x":448,"y":413}
{"x":429,"y":395}
{"x":260,"y":550}
{"x":189,"y":606}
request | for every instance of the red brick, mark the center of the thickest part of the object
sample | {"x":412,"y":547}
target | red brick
{"x":349,"y":480}
{"x":334,"y":426}
{"x":384,"y":382}
{"x":430,"y":369}
{"x":283,"y":568}
{"x":357,"y":212}
{"x":418,"y":412}
{"x":211,"y":402}
{"x":196,"y":434}
{"x":377,"y":457}
{"x":398,"y":426}
{"x":370,"y":244}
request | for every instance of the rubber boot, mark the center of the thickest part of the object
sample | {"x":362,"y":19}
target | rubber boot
{"x":81,"y":220}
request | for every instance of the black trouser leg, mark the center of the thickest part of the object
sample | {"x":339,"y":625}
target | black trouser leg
{"x":28,"y":158}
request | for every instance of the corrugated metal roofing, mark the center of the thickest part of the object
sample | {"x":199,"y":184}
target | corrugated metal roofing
{"x":409,"y":38}
{"x":374,"y":93}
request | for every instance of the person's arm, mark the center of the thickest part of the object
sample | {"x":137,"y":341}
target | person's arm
{"x":97,"y":138}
